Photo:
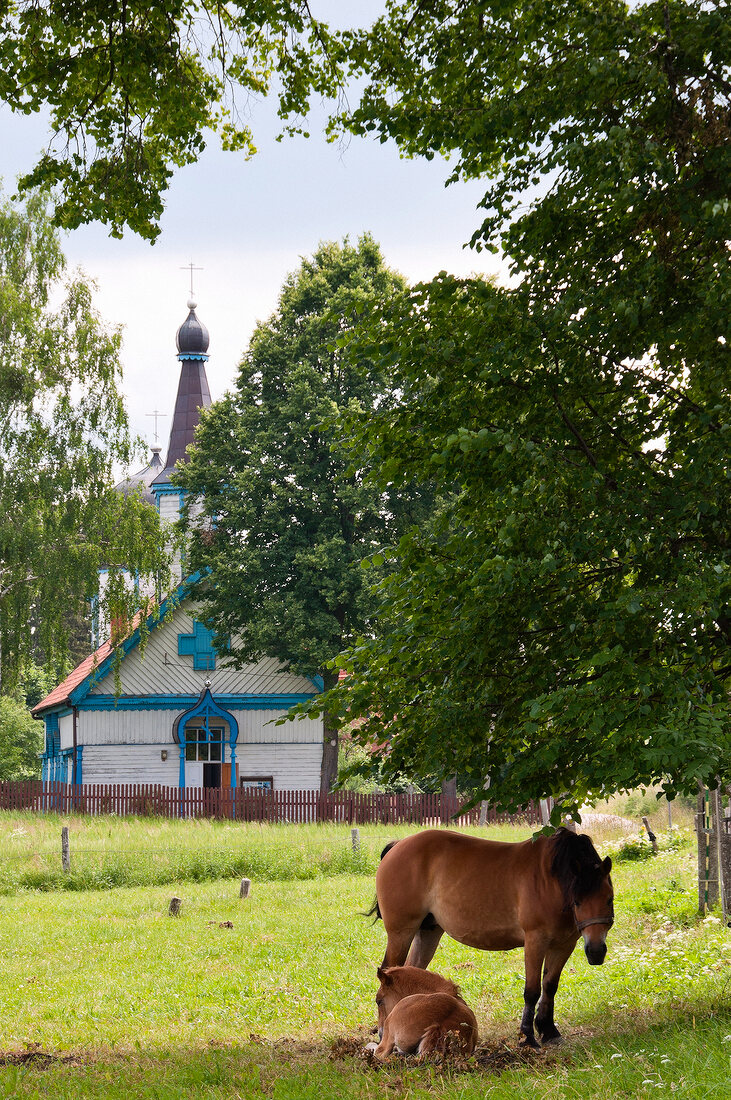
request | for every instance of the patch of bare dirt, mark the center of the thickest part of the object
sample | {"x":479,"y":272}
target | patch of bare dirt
{"x":488,"y":1057}
{"x":38,"y":1058}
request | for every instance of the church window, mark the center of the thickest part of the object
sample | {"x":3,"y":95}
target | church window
{"x":203,"y":743}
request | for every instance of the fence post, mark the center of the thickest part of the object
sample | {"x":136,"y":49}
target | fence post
{"x":707,"y":852}
{"x":355,"y":839}
{"x":723,"y":858}
{"x":651,"y":835}
{"x":546,"y":805}
{"x":65,"y":849}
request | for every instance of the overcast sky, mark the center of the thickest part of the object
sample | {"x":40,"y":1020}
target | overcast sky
{"x":246,"y":224}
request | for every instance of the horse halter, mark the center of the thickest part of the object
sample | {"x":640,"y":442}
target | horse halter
{"x":582,"y":924}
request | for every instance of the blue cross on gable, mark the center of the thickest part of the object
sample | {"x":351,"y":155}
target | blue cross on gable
{"x":199,"y":646}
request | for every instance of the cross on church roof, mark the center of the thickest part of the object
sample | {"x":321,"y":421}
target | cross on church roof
{"x":191,"y":266}
{"x":157,"y":414}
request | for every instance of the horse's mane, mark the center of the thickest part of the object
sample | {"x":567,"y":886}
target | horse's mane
{"x":576,"y":864}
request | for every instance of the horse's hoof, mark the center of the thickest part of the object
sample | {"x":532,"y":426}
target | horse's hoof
{"x":553,"y":1040}
{"x":528,"y":1042}
{"x":371,"y":1046}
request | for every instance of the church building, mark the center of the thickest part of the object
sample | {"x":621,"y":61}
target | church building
{"x":182,"y":719}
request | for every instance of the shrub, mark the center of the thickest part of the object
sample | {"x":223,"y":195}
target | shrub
{"x":672,"y":841}
{"x":633,"y":849}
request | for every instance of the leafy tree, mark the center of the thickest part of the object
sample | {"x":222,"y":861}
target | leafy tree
{"x":134,"y":89}
{"x":62,"y":427}
{"x":21,"y":741}
{"x":37,"y":682}
{"x":356,"y":768}
{"x":286,"y":519}
{"x":564,"y":625}
{"x":561,"y":626}
{"x":515,"y":92}
{"x":602,"y":130}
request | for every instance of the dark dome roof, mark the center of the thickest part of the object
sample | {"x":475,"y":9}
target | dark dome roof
{"x":143,"y":479}
{"x":192,"y":336}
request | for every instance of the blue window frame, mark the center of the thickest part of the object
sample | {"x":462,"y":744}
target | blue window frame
{"x":199,"y":646}
{"x":204,"y":742}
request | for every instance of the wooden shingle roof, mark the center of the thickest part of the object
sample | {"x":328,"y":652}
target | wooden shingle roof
{"x":62,"y":693}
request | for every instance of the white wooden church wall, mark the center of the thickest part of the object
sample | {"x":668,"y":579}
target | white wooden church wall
{"x":293,"y":765}
{"x":140,"y":727}
{"x":163,"y":670}
{"x":290,"y":767}
{"x":169,"y":507}
{"x":124,"y":746}
{"x":169,"y":510}
{"x":129,"y":764}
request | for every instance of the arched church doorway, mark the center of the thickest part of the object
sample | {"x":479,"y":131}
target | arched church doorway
{"x":207,"y":736}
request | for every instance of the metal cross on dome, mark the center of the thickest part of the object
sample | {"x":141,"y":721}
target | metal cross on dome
{"x":191,"y":267}
{"x":157,"y":414}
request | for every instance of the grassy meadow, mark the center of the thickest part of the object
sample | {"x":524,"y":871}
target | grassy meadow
{"x":103,"y":994}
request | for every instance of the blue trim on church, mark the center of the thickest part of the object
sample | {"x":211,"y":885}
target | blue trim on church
{"x":199,"y":646}
{"x":272,"y":701}
{"x":206,"y":708}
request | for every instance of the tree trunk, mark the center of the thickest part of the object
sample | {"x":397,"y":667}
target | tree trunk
{"x":449,"y":798}
{"x":329,"y":770}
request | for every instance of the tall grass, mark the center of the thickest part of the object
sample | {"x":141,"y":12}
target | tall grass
{"x":109,"y":852}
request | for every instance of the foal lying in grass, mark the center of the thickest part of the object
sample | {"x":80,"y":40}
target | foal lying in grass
{"x":417,"y":1012}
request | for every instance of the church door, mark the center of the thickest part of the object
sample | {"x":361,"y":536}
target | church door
{"x":226,"y":775}
{"x":211,"y":775}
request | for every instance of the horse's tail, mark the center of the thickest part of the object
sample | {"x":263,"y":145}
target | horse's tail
{"x":374,"y":911}
{"x":433,"y":1039}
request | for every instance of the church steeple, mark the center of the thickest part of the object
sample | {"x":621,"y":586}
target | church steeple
{"x":193,"y":395}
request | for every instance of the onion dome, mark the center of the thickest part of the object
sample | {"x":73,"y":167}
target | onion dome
{"x":193,"y":395}
{"x":192,"y":336}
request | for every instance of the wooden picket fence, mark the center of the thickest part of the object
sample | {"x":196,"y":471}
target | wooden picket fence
{"x":249,"y":804}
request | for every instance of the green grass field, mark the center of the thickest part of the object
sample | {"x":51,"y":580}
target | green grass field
{"x":103,"y":994}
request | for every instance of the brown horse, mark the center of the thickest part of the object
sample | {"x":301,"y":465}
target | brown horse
{"x":417,"y":1012}
{"x":540,"y":895}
